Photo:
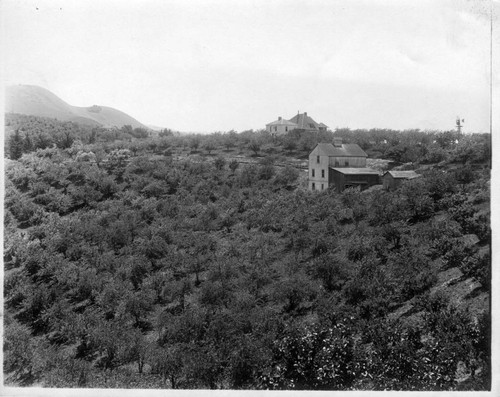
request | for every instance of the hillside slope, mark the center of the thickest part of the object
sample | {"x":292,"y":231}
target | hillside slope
{"x":177,"y":262}
{"x":38,"y":101}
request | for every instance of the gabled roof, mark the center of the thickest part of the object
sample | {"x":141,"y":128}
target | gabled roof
{"x":283,"y":122}
{"x":305,"y":122}
{"x":346,"y":150}
{"x":323,"y":125}
{"x":356,"y":171}
{"x":403,"y":174}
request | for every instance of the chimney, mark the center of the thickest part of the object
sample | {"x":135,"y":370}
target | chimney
{"x":279,"y":118}
{"x":337,"y":142}
{"x":305,"y":114}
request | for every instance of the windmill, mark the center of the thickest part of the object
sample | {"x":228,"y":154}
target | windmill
{"x":459,"y":124}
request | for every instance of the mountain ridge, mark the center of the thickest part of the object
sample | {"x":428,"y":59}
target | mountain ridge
{"x":38,"y":101}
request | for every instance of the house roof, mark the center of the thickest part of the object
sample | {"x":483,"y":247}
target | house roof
{"x":305,"y":122}
{"x":356,"y":171}
{"x":346,"y":150}
{"x":323,"y":125}
{"x":283,"y":122}
{"x":403,"y":174}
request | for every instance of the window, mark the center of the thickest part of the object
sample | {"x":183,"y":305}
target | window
{"x":322,"y":186}
{"x":336,"y":163}
{"x":286,"y":128}
{"x":322,"y":173}
{"x":347,"y":163}
{"x":313,"y":186}
{"x":312,"y":172}
{"x":317,"y":159}
{"x":275,"y":128}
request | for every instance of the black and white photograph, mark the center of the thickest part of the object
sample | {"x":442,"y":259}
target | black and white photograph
{"x":215,"y":196}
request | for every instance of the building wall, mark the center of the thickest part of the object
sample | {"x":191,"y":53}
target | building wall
{"x":351,"y":162}
{"x":365,"y":181}
{"x":388,"y":182}
{"x":339,"y":180}
{"x":279,"y":129}
{"x":391,"y":183}
{"x":320,"y":178}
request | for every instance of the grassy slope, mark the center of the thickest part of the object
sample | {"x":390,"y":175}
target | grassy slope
{"x":38,"y":101}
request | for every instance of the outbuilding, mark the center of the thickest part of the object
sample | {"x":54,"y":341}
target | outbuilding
{"x":391,"y":180}
{"x":343,"y":178}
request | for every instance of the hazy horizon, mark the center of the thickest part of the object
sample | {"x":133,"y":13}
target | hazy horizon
{"x":216,"y":66}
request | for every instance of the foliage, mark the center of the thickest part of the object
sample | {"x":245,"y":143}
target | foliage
{"x":314,"y":359}
{"x":254,"y":146}
{"x":130,"y":267}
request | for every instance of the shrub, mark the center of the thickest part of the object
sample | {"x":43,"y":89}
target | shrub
{"x":219,"y":163}
{"x":254,"y":146}
{"x":233,"y":165}
{"x":313,"y":359}
{"x":286,"y":176}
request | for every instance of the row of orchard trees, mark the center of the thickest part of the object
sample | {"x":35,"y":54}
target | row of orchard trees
{"x":29,"y":133}
{"x":26,"y":134}
{"x":137,"y":270}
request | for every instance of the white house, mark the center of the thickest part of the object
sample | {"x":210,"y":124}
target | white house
{"x":301,"y":121}
{"x":280,"y":126}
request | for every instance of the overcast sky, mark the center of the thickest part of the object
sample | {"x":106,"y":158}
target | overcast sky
{"x":221,"y":65}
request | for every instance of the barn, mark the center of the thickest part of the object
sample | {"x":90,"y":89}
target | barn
{"x":337,"y":155}
{"x":391,"y":180}
{"x":343,"y":178}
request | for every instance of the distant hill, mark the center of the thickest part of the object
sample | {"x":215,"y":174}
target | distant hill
{"x":155,"y":127}
{"x":38,"y":101}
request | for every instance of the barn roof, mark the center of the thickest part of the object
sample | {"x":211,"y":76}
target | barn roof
{"x":356,"y":171}
{"x":403,"y":174}
{"x":283,"y":122}
{"x":346,"y":150}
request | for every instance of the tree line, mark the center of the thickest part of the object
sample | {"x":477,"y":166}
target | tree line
{"x":29,"y":133}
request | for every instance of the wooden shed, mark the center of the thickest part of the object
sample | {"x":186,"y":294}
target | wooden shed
{"x":343,"y":178}
{"x":391,"y":180}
